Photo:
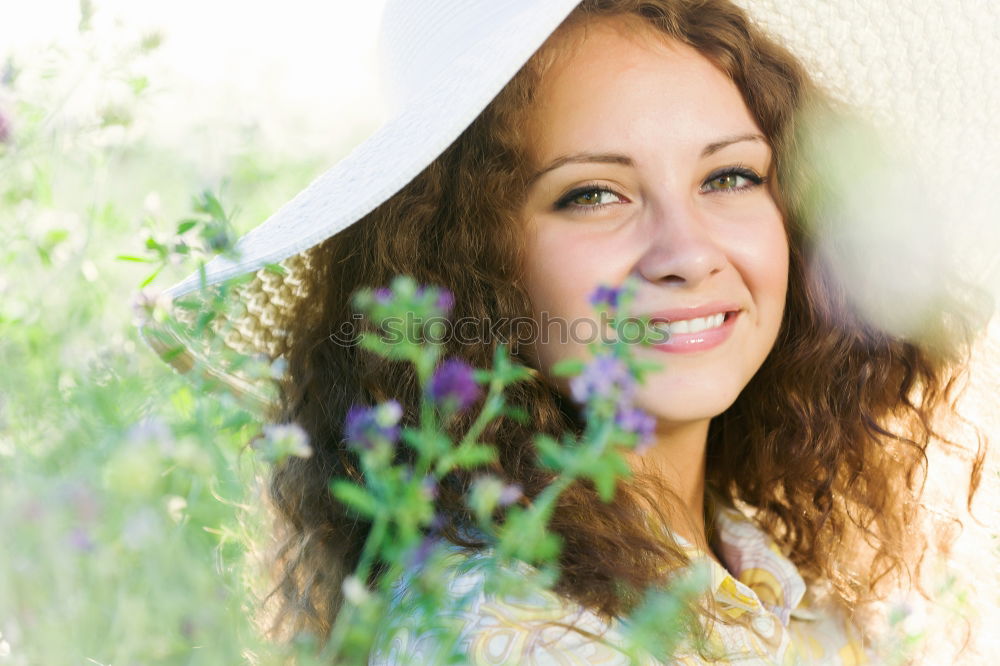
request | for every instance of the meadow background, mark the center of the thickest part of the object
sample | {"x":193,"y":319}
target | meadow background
{"x":128,"y":504}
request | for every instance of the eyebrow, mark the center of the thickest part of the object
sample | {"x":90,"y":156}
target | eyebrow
{"x":716,"y":146}
{"x":624,"y":160}
{"x":589,"y":158}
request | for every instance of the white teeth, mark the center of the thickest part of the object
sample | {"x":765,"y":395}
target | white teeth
{"x":691,"y":325}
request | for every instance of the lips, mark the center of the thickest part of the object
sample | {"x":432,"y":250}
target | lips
{"x":696,"y":325}
{"x":694,"y":312}
{"x":695,"y":329}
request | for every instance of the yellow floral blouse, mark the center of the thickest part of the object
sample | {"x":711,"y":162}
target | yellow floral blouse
{"x":792,"y":627}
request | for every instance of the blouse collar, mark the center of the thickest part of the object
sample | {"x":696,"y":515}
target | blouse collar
{"x":757,"y":576}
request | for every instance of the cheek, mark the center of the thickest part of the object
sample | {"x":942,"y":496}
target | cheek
{"x":764,"y":263}
{"x":776,"y":268}
{"x":562,"y":270}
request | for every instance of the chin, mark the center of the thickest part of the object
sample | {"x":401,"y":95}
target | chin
{"x":685,"y":404}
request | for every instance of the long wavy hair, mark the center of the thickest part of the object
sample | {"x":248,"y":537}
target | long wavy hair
{"x":825,"y":446}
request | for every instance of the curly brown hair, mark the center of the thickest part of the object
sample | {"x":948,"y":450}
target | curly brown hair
{"x":826,"y":445}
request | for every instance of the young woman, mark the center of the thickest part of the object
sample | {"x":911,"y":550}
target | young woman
{"x":658,"y":141}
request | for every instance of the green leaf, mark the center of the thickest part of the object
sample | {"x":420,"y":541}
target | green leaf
{"x":128,"y":257}
{"x":237,"y":420}
{"x":512,"y":373}
{"x":44,"y":255}
{"x":188,"y":304}
{"x":525,"y":537}
{"x":518,"y":414}
{"x":354,"y":497}
{"x":277,"y":269}
{"x":152,"y":276}
{"x":501,"y":361}
{"x":138,"y":84}
{"x":604,"y":480}
{"x":428,"y":444}
{"x":568,"y":367}
{"x":243,"y":278}
{"x":172,"y":353}
{"x":204,"y":319}
{"x":474,"y":455}
{"x":483,"y":497}
{"x":186,"y":226}
{"x":55,"y":236}
{"x":550,"y":453}
{"x":153,"y":244}
{"x":373,"y":343}
{"x":411,"y":436}
{"x":207,"y":203}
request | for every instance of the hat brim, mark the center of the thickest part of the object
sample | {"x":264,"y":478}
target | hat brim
{"x":395,"y":153}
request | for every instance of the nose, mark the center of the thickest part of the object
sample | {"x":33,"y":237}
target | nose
{"x":678,"y":249}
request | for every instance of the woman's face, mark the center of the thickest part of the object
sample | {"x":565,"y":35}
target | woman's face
{"x":648,"y":166}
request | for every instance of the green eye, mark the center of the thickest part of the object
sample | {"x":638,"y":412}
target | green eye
{"x":726,"y":182}
{"x":588,"y":197}
{"x":732,"y":179}
{"x":591,"y":198}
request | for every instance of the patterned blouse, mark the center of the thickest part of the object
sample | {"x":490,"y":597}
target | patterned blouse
{"x":791,"y":626}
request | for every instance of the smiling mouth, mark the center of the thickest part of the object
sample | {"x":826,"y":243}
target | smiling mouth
{"x":693,"y":325}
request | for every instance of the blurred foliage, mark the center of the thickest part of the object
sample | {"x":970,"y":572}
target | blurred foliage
{"x":125,"y":487}
{"x":121,"y":482}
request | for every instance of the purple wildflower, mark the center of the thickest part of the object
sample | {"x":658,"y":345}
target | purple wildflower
{"x":286,"y":439}
{"x":426,"y":547}
{"x":605,"y":296}
{"x":454,"y":385}
{"x":367,"y":426}
{"x":188,"y":627}
{"x":445,"y":301}
{"x":510,"y":494}
{"x":429,"y":487}
{"x":606,"y":376}
{"x":437,"y":523}
{"x":79,"y":539}
{"x":635,"y":420}
{"x":422,"y":552}
{"x":4,"y":128}
{"x":488,"y":493}
{"x":383,"y":296}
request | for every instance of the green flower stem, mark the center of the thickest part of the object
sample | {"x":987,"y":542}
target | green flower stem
{"x":373,"y":545}
{"x":491,"y":409}
{"x":424,"y":364}
{"x":346,"y":616}
{"x":546,"y":501}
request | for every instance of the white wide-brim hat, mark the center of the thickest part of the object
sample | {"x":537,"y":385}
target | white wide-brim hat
{"x":923,"y":70}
